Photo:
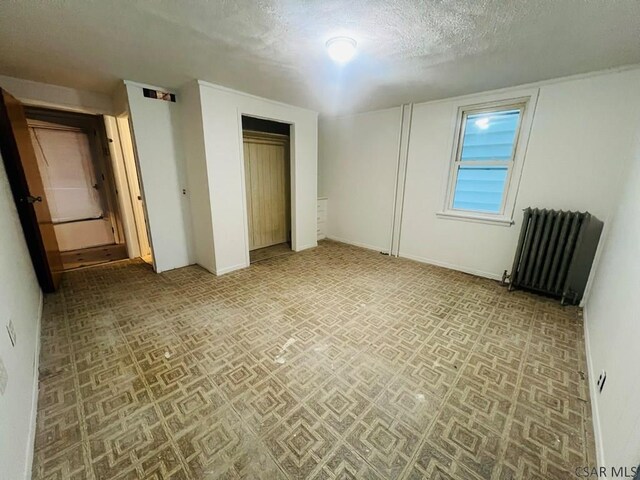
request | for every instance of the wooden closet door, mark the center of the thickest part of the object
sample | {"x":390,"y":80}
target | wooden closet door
{"x":28,"y":191}
{"x":266,"y":180}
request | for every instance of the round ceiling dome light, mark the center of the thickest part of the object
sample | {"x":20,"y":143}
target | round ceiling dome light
{"x":341,"y":49}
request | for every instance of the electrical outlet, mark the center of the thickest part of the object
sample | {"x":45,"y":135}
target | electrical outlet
{"x":601,"y":379}
{"x":12,"y":333}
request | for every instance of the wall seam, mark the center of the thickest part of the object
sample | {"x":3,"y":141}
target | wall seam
{"x":395,"y":188}
{"x":404,"y":180}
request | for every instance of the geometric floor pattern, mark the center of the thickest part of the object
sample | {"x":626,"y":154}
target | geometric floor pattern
{"x":336,"y":362}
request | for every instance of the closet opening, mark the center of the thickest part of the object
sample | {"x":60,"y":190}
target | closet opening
{"x":267,"y":174}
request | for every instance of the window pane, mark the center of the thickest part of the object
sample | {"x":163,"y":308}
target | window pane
{"x":480,"y":189}
{"x":490,"y":136}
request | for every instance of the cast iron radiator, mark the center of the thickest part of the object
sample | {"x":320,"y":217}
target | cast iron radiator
{"x":555,"y":253}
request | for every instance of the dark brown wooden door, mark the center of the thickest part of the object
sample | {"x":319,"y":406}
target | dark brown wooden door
{"x":28,"y":192}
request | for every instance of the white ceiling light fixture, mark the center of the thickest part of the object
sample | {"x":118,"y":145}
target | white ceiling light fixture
{"x":341,"y":49}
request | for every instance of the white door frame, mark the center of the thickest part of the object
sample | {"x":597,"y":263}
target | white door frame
{"x":292,"y":180}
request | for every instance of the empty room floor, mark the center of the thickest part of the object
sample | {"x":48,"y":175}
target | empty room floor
{"x":336,"y":362}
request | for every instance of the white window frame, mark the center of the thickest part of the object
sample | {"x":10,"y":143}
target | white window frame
{"x":526,"y":102}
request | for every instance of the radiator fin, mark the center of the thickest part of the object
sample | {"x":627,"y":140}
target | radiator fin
{"x":555,"y":252}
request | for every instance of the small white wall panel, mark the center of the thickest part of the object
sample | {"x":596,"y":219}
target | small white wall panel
{"x":66,"y":168}
{"x":77,"y":235}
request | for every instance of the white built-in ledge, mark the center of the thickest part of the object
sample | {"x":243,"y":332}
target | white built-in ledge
{"x":470,"y":217}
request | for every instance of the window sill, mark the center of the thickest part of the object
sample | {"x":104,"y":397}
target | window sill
{"x":470,"y":217}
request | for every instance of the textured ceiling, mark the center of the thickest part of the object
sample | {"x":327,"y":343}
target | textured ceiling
{"x":408,"y":50}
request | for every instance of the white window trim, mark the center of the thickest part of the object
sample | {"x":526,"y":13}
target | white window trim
{"x":526,"y":100}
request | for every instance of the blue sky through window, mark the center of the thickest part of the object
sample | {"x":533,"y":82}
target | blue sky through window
{"x":488,"y":137}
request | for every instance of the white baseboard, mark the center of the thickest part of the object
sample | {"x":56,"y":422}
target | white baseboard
{"x":450,"y":266}
{"x":357,"y":244}
{"x":306,"y":247}
{"x":207,"y":268}
{"x":471,"y":271}
{"x":34,"y":397}
{"x":591,"y":374}
{"x":232,"y":268}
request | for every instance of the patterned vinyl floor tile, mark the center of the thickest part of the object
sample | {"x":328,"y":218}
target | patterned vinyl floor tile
{"x":332,"y":363}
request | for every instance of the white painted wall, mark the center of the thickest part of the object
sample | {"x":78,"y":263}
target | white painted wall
{"x":197,"y":175}
{"x":221,"y":118}
{"x":156,"y":128}
{"x":574,"y":161}
{"x":54,"y":96}
{"x":612,"y":316}
{"x":580,"y":141}
{"x":357,"y":174}
{"x":21,"y":302}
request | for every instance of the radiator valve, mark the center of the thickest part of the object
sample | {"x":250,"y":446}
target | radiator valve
{"x":506,"y":279}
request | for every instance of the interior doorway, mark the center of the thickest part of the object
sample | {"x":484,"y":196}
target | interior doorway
{"x":75,"y":181}
{"x":267,"y":170}
{"x":142,"y":248}
{"x":72,"y":157}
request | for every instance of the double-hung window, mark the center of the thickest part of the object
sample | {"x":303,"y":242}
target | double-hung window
{"x":487,"y":159}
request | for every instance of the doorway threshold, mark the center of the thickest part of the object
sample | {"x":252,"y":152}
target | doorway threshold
{"x":273,"y":251}
{"x":88,"y":257}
